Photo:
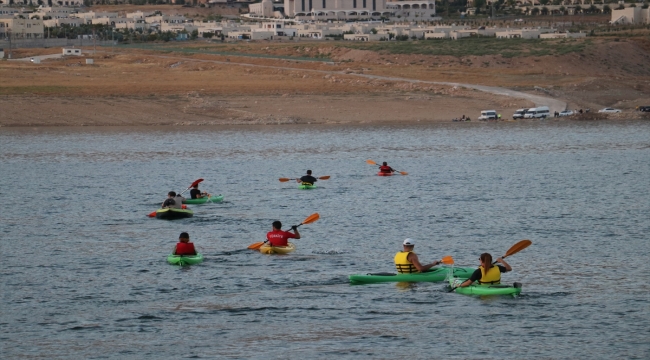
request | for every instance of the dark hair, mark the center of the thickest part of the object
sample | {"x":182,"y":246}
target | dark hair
{"x":385,"y":163}
{"x":486,"y":259}
{"x":277,"y":225}
{"x":184,"y":235}
{"x":171,"y":193}
{"x":308,"y":172}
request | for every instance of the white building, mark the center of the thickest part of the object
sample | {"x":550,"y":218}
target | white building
{"x":631,"y":15}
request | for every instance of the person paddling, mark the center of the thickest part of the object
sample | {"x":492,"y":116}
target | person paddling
{"x":195,"y":193}
{"x":279,"y":237}
{"x":172,"y":201}
{"x":407,"y":261}
{"x":184,"y":246}
{"x":487,"y":273}
{"x":307,"y":179}
{"x":384,"y":168}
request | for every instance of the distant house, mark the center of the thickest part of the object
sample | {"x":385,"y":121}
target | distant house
{"x":71,"y":52}
{"x":631,"y":15}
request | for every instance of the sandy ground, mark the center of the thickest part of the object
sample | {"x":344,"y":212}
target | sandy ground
{"x":136,"y":87}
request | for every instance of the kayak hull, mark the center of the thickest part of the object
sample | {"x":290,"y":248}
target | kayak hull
{"x":172,"y":214}
{"x":212,"y":199}
{"x":384,"y":174}
{"x":306,"y":187}
{"x":268,"y":249}
{"x":433,"y":275}
{"x":185,"y":259}
{"x":496,"y":289}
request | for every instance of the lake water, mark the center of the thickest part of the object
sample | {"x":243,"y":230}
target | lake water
{"x":85,"y":275}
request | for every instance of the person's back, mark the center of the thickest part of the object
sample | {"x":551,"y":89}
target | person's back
{"x":384,"y":168}
{"x":308,"y":179}
{"x":195,"y":193}
{"x":178,"y":201}
{"x":403,"y":265}
{"x":171,"y":202}
{"x":184,"y":246}
{"x":279,"y":237}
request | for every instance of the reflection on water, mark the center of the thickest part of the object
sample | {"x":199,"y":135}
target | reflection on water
{"x":89,"y":277}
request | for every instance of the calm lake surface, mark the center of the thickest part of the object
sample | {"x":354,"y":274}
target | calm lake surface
{"x":84,"y":273}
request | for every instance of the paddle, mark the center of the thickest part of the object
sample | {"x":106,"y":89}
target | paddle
{"x":374,"y":163}
{"x":326,"y":177}
{"x":447,"y":260}
{"x":513,"y":250}
{"x":310,"y":219}
{"x":196,"y":182}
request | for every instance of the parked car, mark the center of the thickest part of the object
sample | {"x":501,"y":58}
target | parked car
{"x":488,"y":115}
{"x":566,"y":113}
{"x":609,"y":110}
{"x":519,"y":114}
{"x":644,"y":108}
{"x":539,"y":112}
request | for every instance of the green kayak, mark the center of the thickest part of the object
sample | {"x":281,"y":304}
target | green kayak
{"x":306,"y":186}
{"x":203,"y":200}
{"x":185,"y":259}
{"x":171,"y":214}
{"x":433,"y":275}
{"x":494,"y":289}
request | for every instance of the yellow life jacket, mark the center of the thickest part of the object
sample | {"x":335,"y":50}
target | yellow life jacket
{"x":403,"y":265}
{"x":492,"y":276}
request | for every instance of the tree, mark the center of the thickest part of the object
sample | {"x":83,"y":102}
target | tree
{"x":194,"y":34}
{"x":544,"y":10}
{"x":607,"y":9}
{"x":544,"y":2}
{"x":373,"y":30}
{"x":535,"y":11}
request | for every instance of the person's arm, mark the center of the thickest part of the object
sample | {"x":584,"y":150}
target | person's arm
{"x":413,"y":258}
{"x":299,"y":180}
{"x":174,"y":251}
{"x":505,"y":264}
{"x":475,"y":276}
{"x":295,"y":230}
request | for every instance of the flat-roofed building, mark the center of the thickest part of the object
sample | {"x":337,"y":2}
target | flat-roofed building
{"x":21,"y":28}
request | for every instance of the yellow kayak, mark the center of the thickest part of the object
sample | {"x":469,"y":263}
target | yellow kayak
{"x":268,"y":249}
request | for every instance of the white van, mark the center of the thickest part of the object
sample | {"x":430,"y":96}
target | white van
{"x":519,"y":114}
{"x":488,"y":115}
{"x":538,"y":112}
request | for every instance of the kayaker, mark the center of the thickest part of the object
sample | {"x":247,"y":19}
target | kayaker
{"x":171,"y":201}
{"x":384,"y":168}
{"x":195,"y":193}
{"x":407,"y":261}
{"x":492,"y":275}
{"x":279,"y":237}
{"x":179,"y":200}
{"x":184,"y":246}
{"x":307,"y":179}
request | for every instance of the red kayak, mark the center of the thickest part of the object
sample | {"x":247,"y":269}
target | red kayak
{"x":384,"y":174}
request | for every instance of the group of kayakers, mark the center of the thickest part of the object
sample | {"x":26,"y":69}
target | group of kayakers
{"x":175,"y":201}
{"x":407,"y":262}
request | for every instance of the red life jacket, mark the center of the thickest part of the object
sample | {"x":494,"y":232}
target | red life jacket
{"x":185,"y":249}
{"x":385,"y":169}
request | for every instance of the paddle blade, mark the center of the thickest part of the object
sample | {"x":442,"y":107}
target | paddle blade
{"x":196,"y":182}
{"x":447,"y":260}
{"x":256,"y":246}
{"x":153,"y":214}
{"x":284,"y":179}
{"x":311,"y":218}
{"x":324,"y":177}
{"x":403,"y":173}
{"x":371,"y":162}
{"x":518,"y":247}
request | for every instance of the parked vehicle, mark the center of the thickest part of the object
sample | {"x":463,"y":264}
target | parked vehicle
{"x":519,"y":114}
{"x":488,"y":115}
{"x":566,"y":113}
{"x":609,"y":110}
{"x":644,"y":108}
{"x":541,"y":112}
